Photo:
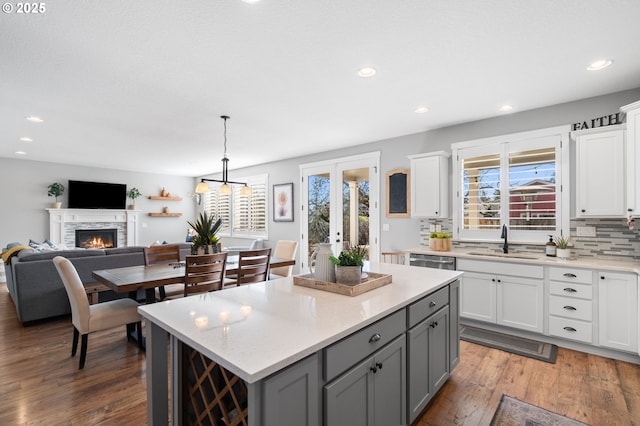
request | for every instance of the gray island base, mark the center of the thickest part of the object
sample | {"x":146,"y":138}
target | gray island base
{"x":278,"y":354}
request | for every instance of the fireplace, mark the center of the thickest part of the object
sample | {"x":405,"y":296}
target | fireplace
{"x":96,"y":238}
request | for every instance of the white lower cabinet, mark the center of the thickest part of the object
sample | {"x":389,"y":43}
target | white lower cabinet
{"x":571,"y":303}
{"x":618,"y":310}
{"x":505,"y":294}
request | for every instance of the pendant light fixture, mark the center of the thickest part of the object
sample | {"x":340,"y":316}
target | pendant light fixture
{"x":225,"y":188}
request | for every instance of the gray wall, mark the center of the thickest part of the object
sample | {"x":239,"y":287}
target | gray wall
{"x":24,"y":198}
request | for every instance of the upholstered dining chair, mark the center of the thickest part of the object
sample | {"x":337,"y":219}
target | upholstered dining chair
{"x":166,"y":253}
{"x":204,"y":273}
{"x":284,"y":250}
{"x":90,"y":318}
{"x":253,"y":266}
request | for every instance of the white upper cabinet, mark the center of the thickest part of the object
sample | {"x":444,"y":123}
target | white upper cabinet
{"x":601,"y":172}
{"x":633,"y":157}
{"x":430,"y":185}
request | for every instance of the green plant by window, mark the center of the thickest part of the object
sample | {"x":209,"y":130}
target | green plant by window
{"x":206,"y":228}
{"x":353,"y":256}
{"x":134,"y":193}
{"x":56,"y":189}
{"x":562,"y":242}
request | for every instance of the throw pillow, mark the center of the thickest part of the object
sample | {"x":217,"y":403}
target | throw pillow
{"x":39,"y":247}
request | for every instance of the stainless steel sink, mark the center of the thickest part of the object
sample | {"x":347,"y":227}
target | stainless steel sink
{"x":503,"y":255}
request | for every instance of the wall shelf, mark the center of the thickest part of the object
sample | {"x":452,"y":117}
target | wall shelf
{"x":158,"y":197}
{"x":165,"y":214}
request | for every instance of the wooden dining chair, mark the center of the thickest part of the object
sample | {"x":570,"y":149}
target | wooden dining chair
{"x":394,"y":257}
{"x":284,"y":250}
{"x":166,"y":253}
{"x":204,"y":273}
{"x":253,"y":266}
{"x":90,"y":318}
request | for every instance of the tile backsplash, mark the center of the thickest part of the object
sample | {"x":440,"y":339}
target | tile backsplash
{"x":613,"y":239}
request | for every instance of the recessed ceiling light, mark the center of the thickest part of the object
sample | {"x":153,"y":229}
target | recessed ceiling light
{"x":366,"y":72}
{"x":21,"y":153}
{"x":34,"y":119}
{"x":26,"y":139}
{"x":506,"y":108}
{"x":421,"y":110}
{"x":599,"y":65}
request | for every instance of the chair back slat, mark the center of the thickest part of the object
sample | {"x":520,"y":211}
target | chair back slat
{"x":253,"y":266}
{"x":161,"y":254}
{"x":204,"y":273}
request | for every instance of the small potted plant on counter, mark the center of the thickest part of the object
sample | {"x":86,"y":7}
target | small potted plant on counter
{"x":349,"y":265}
{"x":133,"y":194}
{"x":56,"y":190}
{"x":562,"y":251}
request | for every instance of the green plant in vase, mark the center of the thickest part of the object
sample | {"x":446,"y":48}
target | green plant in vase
{"x":349,"y":264}
{"x":56,"y":190}
{"x":205,"y":228}
{"x":562,"y":244}
{"x":133,"y":194}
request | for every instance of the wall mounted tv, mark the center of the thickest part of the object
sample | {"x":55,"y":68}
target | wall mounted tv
{"x":97,"y":195}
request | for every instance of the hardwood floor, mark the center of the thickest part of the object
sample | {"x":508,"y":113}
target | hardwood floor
{"x":40,"y":383}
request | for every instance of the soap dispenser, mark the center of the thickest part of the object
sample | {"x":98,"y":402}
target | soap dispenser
{"x":550,"y":248}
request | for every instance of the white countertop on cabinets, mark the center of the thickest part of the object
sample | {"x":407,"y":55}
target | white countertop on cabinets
{"x":258,"y":329}
{"x":538,"y":259}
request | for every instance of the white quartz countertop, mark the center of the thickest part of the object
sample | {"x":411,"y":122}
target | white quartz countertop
{"x":258,"y":329}
{"x":536,"y":259}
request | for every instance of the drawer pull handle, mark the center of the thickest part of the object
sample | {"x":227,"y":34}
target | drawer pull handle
{"x":375,"y":338}
{"x":376,"y":367}
{"x":570,"y":275}
{"x":379,"y":365}
{"x":432,"y":304}
{"x":569,"y":308}
{"x":570,"y":290}
{"x":571,"y":329}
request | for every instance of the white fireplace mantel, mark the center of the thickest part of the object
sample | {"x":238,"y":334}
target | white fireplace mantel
{"x":62,"y":220}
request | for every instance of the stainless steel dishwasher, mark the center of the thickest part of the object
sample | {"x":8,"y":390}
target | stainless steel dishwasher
{"x":431,"y":261}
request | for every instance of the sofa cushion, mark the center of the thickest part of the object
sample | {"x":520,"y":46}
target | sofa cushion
{"x":124,"y":250}
{"x":33,"y":256}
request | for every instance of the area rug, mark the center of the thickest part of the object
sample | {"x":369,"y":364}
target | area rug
{"x":517,"y":345}
{"x":513,"y":412}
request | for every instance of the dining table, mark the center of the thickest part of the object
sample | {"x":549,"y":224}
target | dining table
{"x":130,"y":279}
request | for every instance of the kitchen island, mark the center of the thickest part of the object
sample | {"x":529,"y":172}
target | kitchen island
{"x":277,"y":353}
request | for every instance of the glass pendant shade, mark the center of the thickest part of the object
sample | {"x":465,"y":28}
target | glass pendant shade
{"x":225,"y":189}
{"x":245,"y":190}
{"x":202,"y":188}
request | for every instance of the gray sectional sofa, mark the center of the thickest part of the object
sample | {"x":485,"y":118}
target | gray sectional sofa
{"x":37,"y":290}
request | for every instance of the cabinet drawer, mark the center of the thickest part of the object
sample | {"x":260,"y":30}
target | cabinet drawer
{"x":427,"y":306}
{"x":570,"y":308}
{"x":498,"y":268}
{"x":348,"y":351}
{"x":571,"y":329}
{"x":580,"y":291}
{"x":571,"y":275}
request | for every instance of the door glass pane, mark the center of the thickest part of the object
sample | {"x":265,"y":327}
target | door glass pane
{"x":318,"y":210}
{"x":532,"y":190}
{"x":355,"y":207}
{"x":481,"y":190}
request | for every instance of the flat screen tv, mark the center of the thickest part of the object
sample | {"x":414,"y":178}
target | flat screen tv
{"x":97,"y":195}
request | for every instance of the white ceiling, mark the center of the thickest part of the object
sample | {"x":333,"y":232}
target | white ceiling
{"x":140,"y":85}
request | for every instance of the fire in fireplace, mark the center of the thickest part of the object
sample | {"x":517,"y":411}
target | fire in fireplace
{"x":96,"y":238}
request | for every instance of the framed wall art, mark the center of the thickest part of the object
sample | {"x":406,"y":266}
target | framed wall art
{"x":283,"y":202}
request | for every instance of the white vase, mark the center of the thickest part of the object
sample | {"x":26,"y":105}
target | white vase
{"x":323,"y":269}
{"x":563,"y":253}
{"x":57,"y":204}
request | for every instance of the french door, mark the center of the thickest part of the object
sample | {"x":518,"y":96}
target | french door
{"x":339,"y":201}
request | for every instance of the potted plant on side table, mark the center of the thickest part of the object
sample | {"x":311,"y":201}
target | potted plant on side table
{"x":205,"y":240}
{"x":349,"y":265}
{"x":56,"y":190}
{"x":133,"y":194}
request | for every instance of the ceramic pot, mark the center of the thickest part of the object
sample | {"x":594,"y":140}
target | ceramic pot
{"x":57,"y":204}
{"x":350,"y":275}
{"x":323,"y":269}
{"x":563,"y":253}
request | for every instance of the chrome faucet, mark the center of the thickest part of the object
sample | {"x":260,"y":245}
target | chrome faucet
{"x":505,"y":247}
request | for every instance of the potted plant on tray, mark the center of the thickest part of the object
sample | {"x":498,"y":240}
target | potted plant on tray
{"x":349,"y":265}
{"x":133,"y":194}
{"x":56,"y":190}
{"x":563,"y":251}
{"x":205,"y":240}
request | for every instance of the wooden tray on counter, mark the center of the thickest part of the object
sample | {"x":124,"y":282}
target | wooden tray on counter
{"x":374,"y":280}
